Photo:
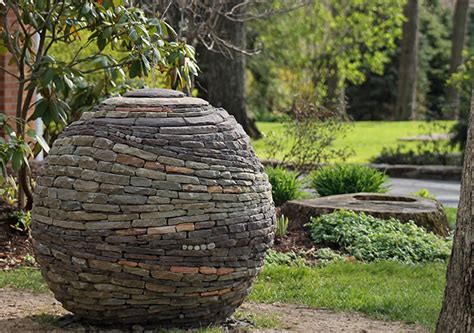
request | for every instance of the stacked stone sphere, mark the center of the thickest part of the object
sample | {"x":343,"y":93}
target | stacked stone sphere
{"x":152,"y":209}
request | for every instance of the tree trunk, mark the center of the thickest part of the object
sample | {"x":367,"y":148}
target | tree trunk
{"x":458,"y":304}
{"x":459,"y":32}
{"x":406,"y":100}
{"x":222,"y":81}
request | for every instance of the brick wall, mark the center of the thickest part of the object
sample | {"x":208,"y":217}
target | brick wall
{"x":8,"y":84}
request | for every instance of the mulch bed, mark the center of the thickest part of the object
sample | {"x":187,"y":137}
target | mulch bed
{"x":15,"y":251}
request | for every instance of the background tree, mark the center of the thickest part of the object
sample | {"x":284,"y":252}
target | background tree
{"x":140,"y":44}
{"x":458,"y":304}
{"x":460,"y":19}
{"x":217,"y":30}
{"x":223,"y":73}
{"x":317,"y":50}
{"x":406,"y":100}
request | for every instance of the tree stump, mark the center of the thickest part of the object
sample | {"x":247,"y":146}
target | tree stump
{"x":426,"y":213}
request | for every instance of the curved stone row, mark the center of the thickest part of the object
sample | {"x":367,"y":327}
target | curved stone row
{"x":152,"y":210}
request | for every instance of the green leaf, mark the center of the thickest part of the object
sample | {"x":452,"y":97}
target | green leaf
{"x":135,"y":69}
{"x":17,"y":160}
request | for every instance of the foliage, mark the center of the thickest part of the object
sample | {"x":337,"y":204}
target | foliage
{"x":291,"y":258}
{"x":140,"y":44}
{"x":285,"y":184}
{"x":451,"y":213}
{"x":370,"y":239}
{"x":9,"y":191}
{"x":463,"y":79}
{"x":424,"y":193}
{"x":23,"y":220}
{"x":313,"y":51}
{"x":308,"y":137}
{"x":282,"y":226}
{"x":347,"y":178}
{"x":375,"y":98}
{"x":326,"y":255}
{"x":386,"y":290}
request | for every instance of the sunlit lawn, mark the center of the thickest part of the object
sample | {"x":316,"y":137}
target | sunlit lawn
{"x":384,"y":290}
{"x":366,"y":138}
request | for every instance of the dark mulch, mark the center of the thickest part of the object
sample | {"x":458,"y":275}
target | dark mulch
{"x":15,"y":251}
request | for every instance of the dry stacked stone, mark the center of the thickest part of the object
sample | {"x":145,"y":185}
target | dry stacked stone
{"x":153,"y":208}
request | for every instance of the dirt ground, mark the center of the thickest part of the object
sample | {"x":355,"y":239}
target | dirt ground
{"x":26,"y":312}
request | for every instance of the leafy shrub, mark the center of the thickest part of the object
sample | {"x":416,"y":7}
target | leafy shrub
{"x":23,"y":220}
{"x":309,"y":137}
{"x":282,"y":226}
{"x":284,"y":258}
{"x":326,"y":255}
{"x":285,"y":185}
{"x":371,"y":239}
{"x":351,"y":178}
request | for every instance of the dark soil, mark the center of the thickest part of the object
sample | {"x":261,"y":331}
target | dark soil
{"x":15,"y":251}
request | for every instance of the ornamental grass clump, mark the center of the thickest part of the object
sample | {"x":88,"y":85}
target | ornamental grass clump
{"x":347,"y":178}
{"x":285,"y":185}
{"x":371,"y":239}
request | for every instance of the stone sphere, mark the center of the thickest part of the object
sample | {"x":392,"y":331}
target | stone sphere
{"x":153,"y":208}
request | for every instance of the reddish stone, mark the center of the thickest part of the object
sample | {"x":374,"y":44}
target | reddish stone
{"x":128,"y":263}
{"x":130,"y":160}
{"x":181,"y":170}
{"x":224,"y":270}
{"x":154,"y":166}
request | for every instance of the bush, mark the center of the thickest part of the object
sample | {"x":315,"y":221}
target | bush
{"x":340,"y":179}
{"x":370,"y":239}
{"x":285,"y":185}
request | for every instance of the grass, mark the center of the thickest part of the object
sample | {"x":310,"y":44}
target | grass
{"x":25,"y":278}
{"x":385,"y":290}
{"x":366,"y":138}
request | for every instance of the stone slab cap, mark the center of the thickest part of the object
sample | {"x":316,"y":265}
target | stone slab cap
{"x":155,"y":97}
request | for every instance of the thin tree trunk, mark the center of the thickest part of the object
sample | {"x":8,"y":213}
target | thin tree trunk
{"x":457,"y":310}
{"x":406,"y":100}
{"x":222,"y":81}
{"x":459,"y":32}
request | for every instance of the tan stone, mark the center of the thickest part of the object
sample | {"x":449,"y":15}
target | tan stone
{"x":214,"y":189}
{"x":207,"y":270}
{"x":185,"y":227}
{"x":161,"y":230}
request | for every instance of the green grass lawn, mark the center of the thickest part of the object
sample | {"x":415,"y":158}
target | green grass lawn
{"x":385,"y":290}
{"x":367,"y":138}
